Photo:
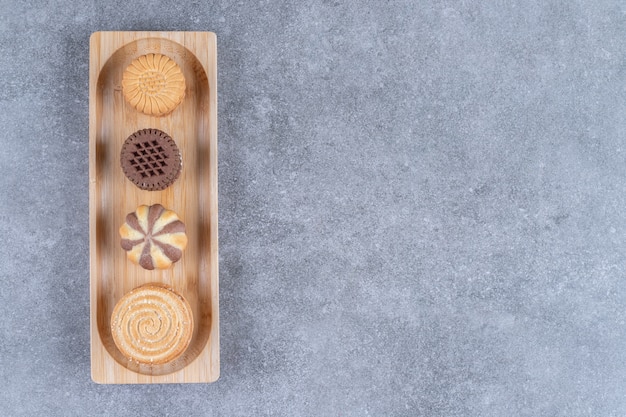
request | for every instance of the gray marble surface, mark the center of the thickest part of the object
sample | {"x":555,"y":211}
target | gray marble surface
{"x":422,"y":208}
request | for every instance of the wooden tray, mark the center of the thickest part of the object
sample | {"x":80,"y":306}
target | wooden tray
{"x":193,"y":125}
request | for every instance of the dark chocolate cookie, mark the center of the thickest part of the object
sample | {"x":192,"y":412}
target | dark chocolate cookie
{"x":151,"y":159}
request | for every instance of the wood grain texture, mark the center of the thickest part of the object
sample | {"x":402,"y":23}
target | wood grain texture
{"x":193,"y":125}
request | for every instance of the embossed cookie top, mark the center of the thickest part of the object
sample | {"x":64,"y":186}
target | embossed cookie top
{"x":152,"y":324}
{"x":151,"y":159}
{"x":153,"y":84}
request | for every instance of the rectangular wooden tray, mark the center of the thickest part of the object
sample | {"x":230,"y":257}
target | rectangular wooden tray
{"x":193,"y":126}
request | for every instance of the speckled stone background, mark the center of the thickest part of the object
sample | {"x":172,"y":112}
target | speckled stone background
{"x":422,"y":208}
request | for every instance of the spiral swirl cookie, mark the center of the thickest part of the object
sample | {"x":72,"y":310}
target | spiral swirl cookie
{"x":153,"y":84}
{"x":152,"y":324}
{"x":150,"y":159}
{"x":153,"y":237}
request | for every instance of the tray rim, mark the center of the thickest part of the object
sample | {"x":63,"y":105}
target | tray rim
{"x":99,"y":356}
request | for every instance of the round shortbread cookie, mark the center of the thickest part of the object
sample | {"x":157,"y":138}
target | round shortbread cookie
{"x":152,"y":324}
{"x":153,"y":84}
